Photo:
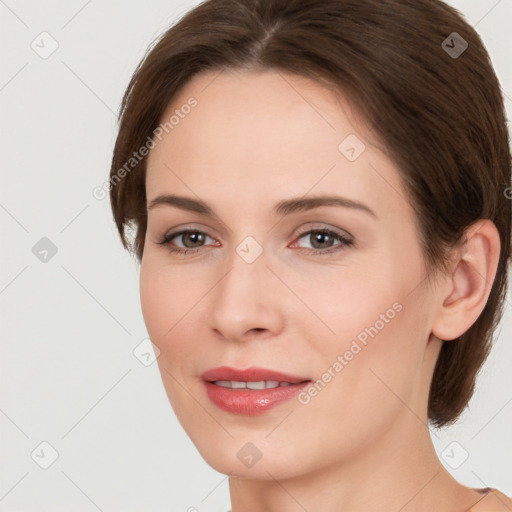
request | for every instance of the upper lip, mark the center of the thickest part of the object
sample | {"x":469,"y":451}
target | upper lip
{"x":251,"y":374}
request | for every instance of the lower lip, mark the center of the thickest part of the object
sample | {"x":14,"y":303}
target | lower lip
{"x":251,"y":402}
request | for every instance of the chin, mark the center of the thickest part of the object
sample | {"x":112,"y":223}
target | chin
{"x":242,"y":458}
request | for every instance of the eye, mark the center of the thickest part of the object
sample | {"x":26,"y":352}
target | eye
{"x":322,"y":240}
{"x":192,"y":241}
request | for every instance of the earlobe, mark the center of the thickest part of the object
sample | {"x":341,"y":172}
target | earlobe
{"x":466,"y":288}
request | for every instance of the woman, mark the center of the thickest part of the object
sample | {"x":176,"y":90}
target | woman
{"x":318,"y":192}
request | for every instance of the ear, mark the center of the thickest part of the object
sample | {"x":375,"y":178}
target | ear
{"x":463,"y":292}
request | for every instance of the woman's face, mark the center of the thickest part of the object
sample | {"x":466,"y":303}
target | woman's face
{"x":264,"y":287}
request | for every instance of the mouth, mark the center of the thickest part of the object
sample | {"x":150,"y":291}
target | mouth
{"x":252,"y":391}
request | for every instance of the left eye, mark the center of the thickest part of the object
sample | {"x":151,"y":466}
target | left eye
{"x":196,"y":239}
{"x":324,"y":238}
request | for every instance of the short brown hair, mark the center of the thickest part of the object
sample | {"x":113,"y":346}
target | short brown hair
{"x":440,"y":116}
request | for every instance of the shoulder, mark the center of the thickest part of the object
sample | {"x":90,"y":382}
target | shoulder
{"x":493,"y":501}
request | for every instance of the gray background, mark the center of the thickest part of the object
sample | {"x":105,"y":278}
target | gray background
{"x":69,"y":325}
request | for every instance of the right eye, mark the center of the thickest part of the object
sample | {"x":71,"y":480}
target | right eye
{"x":189,"y":236}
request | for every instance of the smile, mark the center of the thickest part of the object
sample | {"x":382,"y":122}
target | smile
{"x":252,"y":391}
{"x":262,"y":384}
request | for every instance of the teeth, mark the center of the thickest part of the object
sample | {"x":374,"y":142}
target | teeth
{"x":256,"y":385}
{"x":262,"y":384}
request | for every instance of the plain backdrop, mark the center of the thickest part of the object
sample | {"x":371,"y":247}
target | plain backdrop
{"x":73,"y":395}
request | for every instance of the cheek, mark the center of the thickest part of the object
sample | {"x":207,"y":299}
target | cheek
{"x":154,"y":300}
{"x":371,"y":383}
{"x":377,"y":351}
{"x":164,"y":295}
{"x":166,"y":304}
{"x":170,"y":304}
{"x":385,"y":370}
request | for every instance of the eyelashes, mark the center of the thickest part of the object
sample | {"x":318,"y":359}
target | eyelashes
{"x":320,"y":236}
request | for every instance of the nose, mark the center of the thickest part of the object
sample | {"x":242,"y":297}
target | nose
{"x":244,"y":303}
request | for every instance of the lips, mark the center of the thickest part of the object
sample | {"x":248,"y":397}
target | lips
{"x":249,"y":375}
{"x":251,"y":391}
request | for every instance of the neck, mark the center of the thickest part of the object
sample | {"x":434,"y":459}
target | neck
{"x":394,"y":473}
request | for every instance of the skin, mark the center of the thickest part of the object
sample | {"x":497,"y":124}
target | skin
{"x":254,"y":139}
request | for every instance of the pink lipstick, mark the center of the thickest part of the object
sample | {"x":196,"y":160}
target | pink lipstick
{"x":251,"y":391}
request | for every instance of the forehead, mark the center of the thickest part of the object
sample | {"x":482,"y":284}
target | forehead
{"x":282,"y":111}
{"x":268,"y":135}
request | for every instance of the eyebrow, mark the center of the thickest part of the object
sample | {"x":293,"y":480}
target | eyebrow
{"x":285,"y":207}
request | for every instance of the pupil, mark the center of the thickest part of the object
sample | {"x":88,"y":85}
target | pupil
{"x":194,"y":235}
{"x":320,"y":236}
